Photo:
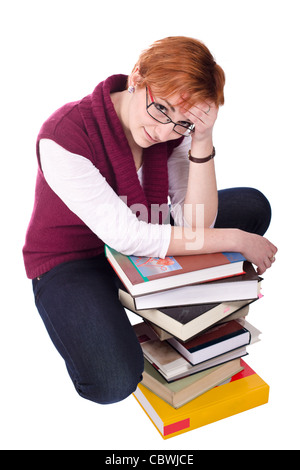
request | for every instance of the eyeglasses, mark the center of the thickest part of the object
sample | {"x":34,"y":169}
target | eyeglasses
{"x":155,"y":110}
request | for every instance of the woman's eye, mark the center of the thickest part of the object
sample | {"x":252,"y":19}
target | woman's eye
{"x":186,"y":124}
{"x":160,"y":107}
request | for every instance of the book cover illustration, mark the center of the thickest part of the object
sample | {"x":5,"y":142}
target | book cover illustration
{"x":149,"y":266}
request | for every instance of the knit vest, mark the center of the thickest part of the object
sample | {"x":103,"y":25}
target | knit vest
{"x":91,"y":128}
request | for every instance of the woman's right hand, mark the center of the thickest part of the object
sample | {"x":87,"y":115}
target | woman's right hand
{"x":255,"y":248}
{"x":258,"y":250}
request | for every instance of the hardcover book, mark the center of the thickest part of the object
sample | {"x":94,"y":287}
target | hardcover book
{"x":242,"y":392}
{"x":163,"y":334}
{"x":185,"y":321}
{"x":241,"y":287}
{"x":169,"y":362}
{"x":143,"y":275}
{"x":214,"y":342}
{"x":182,"y":391}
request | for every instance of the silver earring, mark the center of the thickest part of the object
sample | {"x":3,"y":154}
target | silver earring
{"x":131,"y":89}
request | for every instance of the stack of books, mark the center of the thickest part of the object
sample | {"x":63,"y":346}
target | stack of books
{"x":194,"y":336}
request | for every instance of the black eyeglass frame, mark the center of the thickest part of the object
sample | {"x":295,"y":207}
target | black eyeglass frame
{"x":190,"y":128}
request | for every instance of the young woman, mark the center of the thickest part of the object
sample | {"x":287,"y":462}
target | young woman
{"x":106,"y":167}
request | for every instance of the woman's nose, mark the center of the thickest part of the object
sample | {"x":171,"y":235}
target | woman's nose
{"x":164,"y":131}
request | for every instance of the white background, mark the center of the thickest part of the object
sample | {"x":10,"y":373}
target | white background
{"x":57,"y":51}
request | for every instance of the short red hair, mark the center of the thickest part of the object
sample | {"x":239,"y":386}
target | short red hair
{"x":182,"y":65}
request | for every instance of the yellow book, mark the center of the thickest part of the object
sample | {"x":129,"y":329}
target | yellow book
{"x":242,"y":392}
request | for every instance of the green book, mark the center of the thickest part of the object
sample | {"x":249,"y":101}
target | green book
{"x":182,"y":391}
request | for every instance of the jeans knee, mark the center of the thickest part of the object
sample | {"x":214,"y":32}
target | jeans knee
{"x":244,"y":208}
{"x":263,"y":211}
{"x":262,"y":199}
{"x":113,"y":393}
{"x":112,"y":388}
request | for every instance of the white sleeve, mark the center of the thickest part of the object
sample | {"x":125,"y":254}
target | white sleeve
{"x":178,"y":170}
{"x":86,"y":192}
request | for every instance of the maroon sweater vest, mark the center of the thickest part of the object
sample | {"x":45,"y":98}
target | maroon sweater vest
{"x":90,"y":128}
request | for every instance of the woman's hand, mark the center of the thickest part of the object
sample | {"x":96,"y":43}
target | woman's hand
{"x":255,"y":248}
{"x":204,"y":116}
{"x":258,"y":250}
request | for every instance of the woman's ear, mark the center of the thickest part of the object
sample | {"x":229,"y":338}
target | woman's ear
{"x":135,"y":77}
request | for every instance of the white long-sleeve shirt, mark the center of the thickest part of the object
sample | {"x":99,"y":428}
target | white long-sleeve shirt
{"x":86,"y":192}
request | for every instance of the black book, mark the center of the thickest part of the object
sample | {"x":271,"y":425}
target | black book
{"x":187,"y":321}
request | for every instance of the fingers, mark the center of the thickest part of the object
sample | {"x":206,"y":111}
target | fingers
{"x":271,"y":255}
{"x":273,"y":249}
{"x":196,"y":116}
{"x":206,"y":113}
{"x":262,"y":252}
{"x":203,"y":117}
{"x":268,"y":261}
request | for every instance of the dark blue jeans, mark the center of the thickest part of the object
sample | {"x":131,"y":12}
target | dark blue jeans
{"x":78,"y":302}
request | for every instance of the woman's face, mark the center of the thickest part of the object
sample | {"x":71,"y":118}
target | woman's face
{"x":145,"y":130}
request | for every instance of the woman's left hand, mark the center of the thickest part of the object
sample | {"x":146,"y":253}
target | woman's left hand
{"x":204,"y":116}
